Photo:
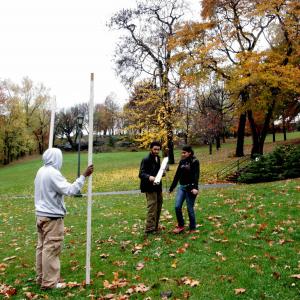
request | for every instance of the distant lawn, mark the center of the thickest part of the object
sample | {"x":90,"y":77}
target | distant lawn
{"x":247,"y":246}
{"x":118,"y":171}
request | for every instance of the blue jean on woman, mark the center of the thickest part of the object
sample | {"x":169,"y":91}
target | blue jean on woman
{"x":183,"y":194}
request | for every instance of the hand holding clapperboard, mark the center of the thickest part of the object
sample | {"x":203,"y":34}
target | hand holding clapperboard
{"x":161,"y":170}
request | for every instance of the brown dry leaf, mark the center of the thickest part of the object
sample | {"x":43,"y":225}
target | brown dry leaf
{"x":276,"y":275}
{"x":104,"y":255}
{"x":295,"y":276}
{"x":139,"y":266}
{"x":3,"y":267}
{"x":239,"y":291}
{"x":7,"y":290}
{"x":137,"y":249}
{"x":116,"y":283}
{"x":189,"y":281}
{"x":100,"y":274}
{"x":72,"y":284}
{"x":70,"y":295}
{"x":140,"y":288}
{"x":31,"y":296}
{"x":181,"y":250}
{"x":186,"y":295}
{"x":174,"y":264}
{"x":165,"y":279}
{"x":120,"y":263}
{"x":262,"y":227}
{"x":109,"y":296}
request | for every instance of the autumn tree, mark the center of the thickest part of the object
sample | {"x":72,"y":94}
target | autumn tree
{"x":231,"y":42}
{"x":143,"y":50}
{"x":214,"y":113}
{"x":217,"y":45}
{"x":34,"y":100}
{"x":14,"y":138}
{"x":112,"y":113}
{"x":106,"y":116}
{"x":145,"y":114}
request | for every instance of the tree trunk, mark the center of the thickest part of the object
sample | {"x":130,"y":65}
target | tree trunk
{"x":185,"y":138}
{"x":284,"y":128}
{"x":239,"y":152}
{"x":266,"y":125}
{"x":259,"y":138}
{"x":210,"y":148}
{"x":273,"y":132}
{"x":218,"y":142}
{"x":241,"y":127}
{"x":255,"y":136}
{"x":171,"y":147}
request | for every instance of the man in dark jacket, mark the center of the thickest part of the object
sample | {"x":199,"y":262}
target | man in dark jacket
{"x":148,"y":170}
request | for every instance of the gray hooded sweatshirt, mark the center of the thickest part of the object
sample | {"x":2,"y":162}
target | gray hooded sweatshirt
{"x":50,"y":186}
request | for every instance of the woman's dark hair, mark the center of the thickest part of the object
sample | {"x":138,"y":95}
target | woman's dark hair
{"x":188,"y":148}
{"x":155,"y":143}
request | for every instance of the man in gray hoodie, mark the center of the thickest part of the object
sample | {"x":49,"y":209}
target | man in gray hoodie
{"x":50,"y":187}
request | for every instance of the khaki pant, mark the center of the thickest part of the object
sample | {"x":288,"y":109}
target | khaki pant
{"x":154,"y":204}
{"x":50,"y":238}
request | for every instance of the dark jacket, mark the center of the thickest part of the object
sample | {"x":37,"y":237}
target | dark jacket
{"x":187,"y":173}
{"x":149,"y":167}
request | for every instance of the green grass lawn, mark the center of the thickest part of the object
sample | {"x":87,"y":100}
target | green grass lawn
{"x":248,"y":238}
{"x":247,"y":244}
{"x":119,"y":171}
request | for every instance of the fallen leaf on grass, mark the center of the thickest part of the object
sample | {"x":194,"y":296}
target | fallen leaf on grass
{"x":3,"y":267}
{"x":120,"y":263}
{"x":104,"y":255}
{"x":164,"y":279}
{"x":116,"y":283}
{"x":100,"y":274}
{"x":139,"y":266}
{"x":186,"y":295}
{"x":137,"y":249}
{"x":295,"y":276}
{"x":31,"y":296}
{"x":227,"y":278}
{"x":7,"y":290}
{"x":182,"y":249}
{"x":174,"y":264}
{"x":189,"y":281}
{"x":239,"y":291}
{"x":261,"y":228}
{"x":72,"y":284}
{"x":140,"y":288}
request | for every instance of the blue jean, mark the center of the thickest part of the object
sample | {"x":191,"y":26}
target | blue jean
{"x":190,"y":198}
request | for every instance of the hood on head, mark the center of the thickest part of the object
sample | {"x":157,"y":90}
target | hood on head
{"x":53,"y":157}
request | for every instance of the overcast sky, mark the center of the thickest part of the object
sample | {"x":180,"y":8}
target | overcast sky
{"x":59,"y":43}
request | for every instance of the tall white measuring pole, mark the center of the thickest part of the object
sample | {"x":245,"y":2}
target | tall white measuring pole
{"x":51,"y":133}
{"x":89,"y":199}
